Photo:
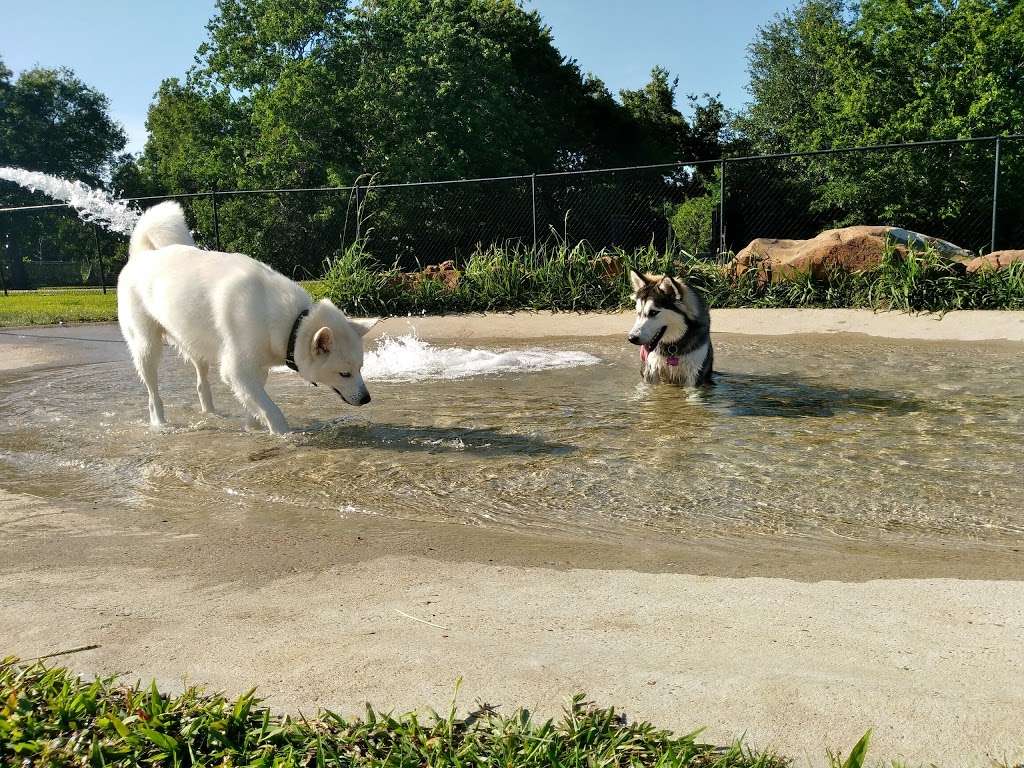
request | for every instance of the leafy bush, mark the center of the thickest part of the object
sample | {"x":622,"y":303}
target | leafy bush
{"x":692,"y":224}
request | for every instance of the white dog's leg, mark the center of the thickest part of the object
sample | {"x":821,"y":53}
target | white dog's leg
{"x":203,"y":386}
{"x":145,"y":340}
{"x":147,"y":361}
{"x":249,"y":389}
{"x":147,"y":349}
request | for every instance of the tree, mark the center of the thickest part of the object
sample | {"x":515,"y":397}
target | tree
{"x":423,"y":90}
{"x":5,"y":96}
{"x":792,"y":64}
{"x":658,"y":123}
{"x":199,"y":138}
{"x":830,"y":73}
{"x":835,"y":74}
{"x":51,"y":121}
{"x":55,"y":123}
{"x":318,"y":92}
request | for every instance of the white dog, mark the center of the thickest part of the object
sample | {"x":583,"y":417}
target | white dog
{"x":229,"y":309}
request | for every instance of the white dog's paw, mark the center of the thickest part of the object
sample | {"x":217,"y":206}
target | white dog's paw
{"x":252,"y":424}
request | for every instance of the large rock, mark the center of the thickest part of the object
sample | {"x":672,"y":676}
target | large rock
{"x":994,"y":260}
{"x":446,"y":272}
{"x":851,"y":248}
{"x":608,"y":267}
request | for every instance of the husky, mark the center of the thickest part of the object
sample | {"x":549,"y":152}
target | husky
{"x":233,"y":311}
{"x":673,"y":329}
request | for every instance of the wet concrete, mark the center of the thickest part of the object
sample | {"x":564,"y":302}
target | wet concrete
{"x":799,"y":642}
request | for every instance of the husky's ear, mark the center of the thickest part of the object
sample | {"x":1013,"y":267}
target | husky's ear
{"x":323,"y":340}
{"x":671,"y":287}
{"x":636,"y":280}
{"x":691,"y":303}
{"x":363,"y":327}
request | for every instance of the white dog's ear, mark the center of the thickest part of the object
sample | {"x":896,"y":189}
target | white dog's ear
{"x":323,"y":340}
{"x":363,"y":327}
{"x":636,"y":280}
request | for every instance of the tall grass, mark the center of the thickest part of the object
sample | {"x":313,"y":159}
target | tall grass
{"x":49,"y":717}
{"x":559,"y":278}
{"x":563,"y":277}
{"x":578,"y":278}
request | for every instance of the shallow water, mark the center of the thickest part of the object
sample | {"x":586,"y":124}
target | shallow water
{"x":803,"y":436}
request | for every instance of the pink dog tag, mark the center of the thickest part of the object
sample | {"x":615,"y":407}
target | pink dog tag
{"x":672,"y":360}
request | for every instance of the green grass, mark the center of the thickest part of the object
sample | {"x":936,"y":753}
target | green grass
{"x":565,"y":278}
{"x":73,"y":305}
{"x":50,"y":717}
{"x":50,"y":307}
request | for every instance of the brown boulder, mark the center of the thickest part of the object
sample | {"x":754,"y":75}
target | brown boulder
{"x":402,"y":279}
{"x":851,"y":248}
{"x":995,"y":260}
{"x":446,"y":272}
{"x":608,"y":267}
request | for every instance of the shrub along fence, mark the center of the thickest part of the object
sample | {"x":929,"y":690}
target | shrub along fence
{"x":968,"y":191}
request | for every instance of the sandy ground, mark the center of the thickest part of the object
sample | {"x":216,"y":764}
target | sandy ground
{"x":934,"y":665}
{"x":952,"y":326}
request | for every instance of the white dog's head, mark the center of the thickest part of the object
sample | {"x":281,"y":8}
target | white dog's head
{"x":329,"y":351}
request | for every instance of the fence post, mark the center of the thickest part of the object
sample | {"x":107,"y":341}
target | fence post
{"x":995,"y":193}
{"x":721,"y":210}
{"x":533,"y":204}
{"x":216,"y":218}
{"x":359,"y":213}
{"x":99,"y":257}
{"x":3,"y":262}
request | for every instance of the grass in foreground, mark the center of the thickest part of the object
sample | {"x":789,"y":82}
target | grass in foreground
{"x":51,"y":307}
{"x":49,"y":717}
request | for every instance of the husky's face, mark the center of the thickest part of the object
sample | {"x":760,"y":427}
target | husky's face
{"x":336,"y":353}
{"x":660,"y":309}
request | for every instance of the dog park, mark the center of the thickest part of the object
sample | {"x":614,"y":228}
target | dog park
{"x":407,"y":397}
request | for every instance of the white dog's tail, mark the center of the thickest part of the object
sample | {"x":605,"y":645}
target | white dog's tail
{"x":161,"y":225}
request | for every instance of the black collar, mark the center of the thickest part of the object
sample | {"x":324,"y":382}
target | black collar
{"x":696,"y":334}
{"x":289,"y":358}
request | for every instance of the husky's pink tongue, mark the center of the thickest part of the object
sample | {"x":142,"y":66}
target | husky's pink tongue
{"x":672,"y":361}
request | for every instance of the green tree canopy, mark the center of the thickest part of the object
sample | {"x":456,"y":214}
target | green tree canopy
{"x":318,"y":92}
{"x":51,"y":121}
{"x":198,"y":139}
{"x":832,"y":73}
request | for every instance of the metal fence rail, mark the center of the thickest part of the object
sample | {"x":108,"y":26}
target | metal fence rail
{"x":968,"y":191}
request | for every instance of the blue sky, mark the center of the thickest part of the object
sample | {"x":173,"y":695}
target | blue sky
{"x":125,"y":48}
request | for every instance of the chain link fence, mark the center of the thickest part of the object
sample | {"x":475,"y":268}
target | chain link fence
{"x":970,"y":192}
